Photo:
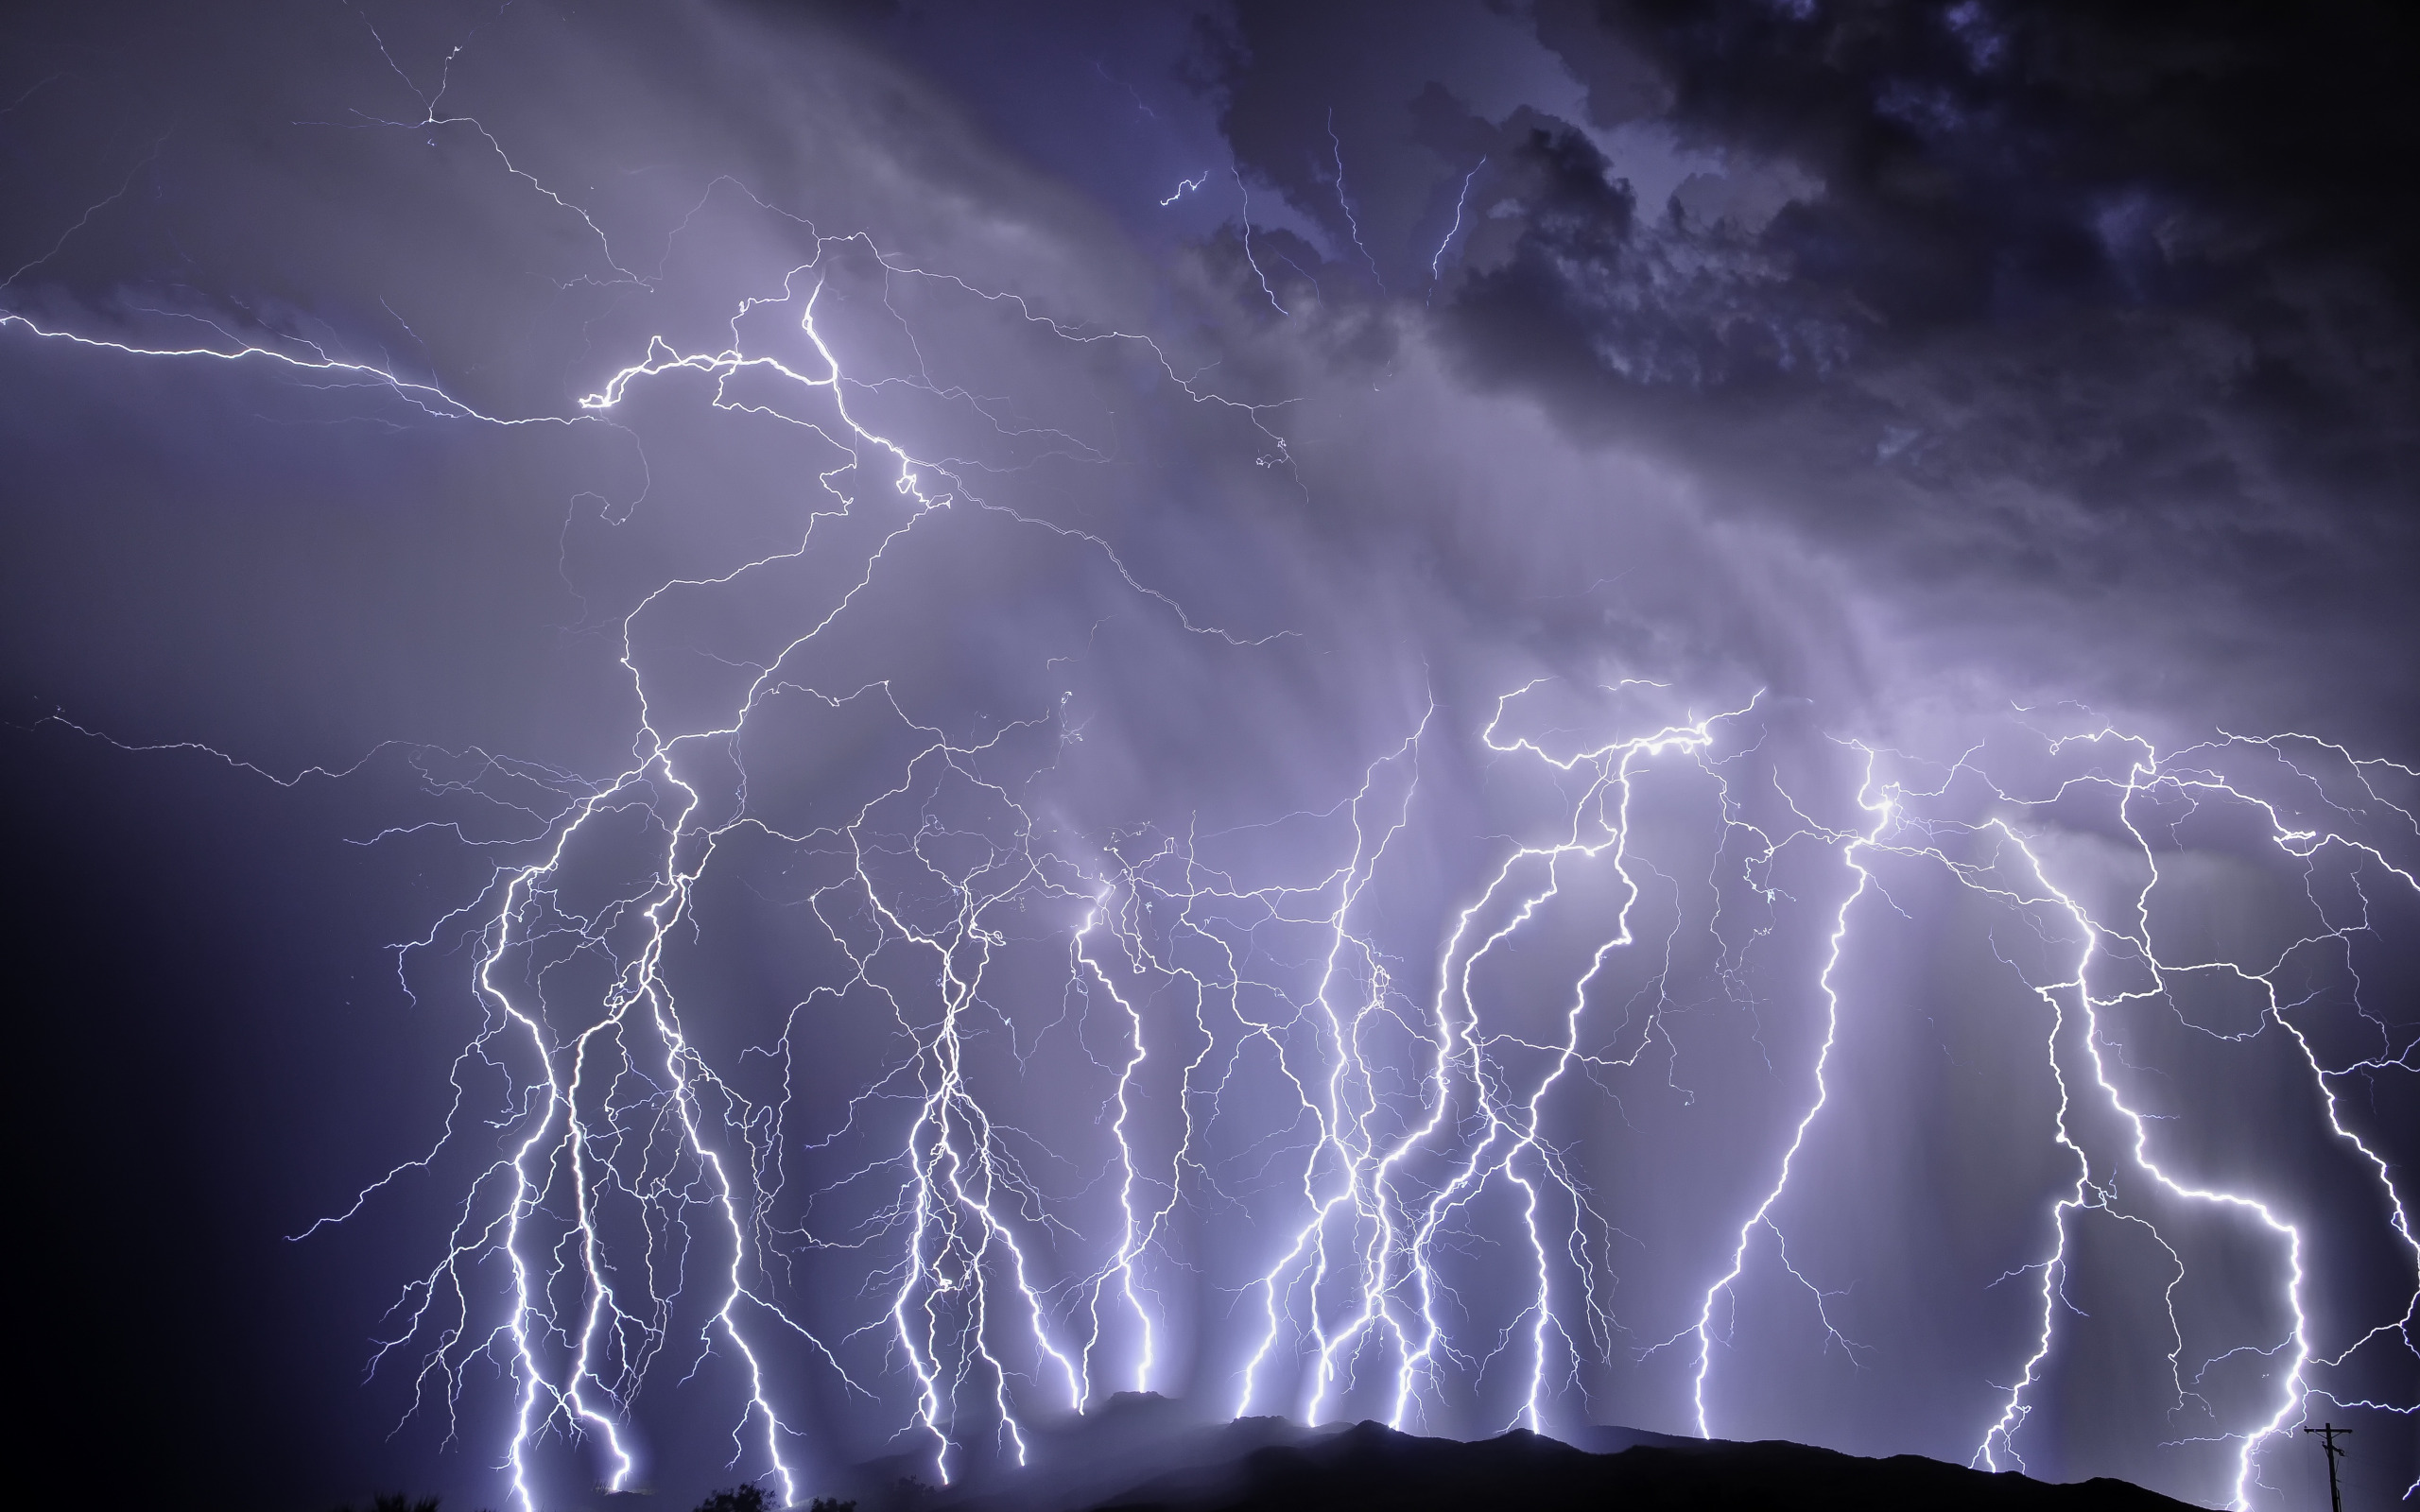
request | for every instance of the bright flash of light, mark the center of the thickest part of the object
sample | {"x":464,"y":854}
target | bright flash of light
{"x":1431,"y":1102}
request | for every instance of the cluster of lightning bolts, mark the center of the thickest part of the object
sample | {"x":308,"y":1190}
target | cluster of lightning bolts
{"x":2118,"y":962}
{"x":1372,"y":1220}
{"x":623,"y":1156}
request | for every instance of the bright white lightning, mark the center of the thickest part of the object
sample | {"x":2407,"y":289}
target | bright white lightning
{"x":563,"y":1155}
{"x":2149,"y":774}
{"x":617,"y":1122}
{"x":1905,"y":828}
{"x":1880,"y":806}
{"x":1369,"y":1227}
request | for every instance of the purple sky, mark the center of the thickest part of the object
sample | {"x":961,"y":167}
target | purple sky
{"x":1680,"y":715}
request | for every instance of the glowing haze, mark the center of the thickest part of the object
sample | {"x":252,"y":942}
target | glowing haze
{"x":762,"y":739}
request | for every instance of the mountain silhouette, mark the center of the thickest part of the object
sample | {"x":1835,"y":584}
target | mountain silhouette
{"x":1146,"y":1454}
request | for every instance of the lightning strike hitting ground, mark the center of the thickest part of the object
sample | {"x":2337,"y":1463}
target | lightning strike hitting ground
{"x":1408,"y":1115}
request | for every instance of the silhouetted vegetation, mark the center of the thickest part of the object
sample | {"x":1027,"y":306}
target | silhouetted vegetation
{"x":749,"y":1498}
{"x":396,"y":1501}
{"x":831,"y":1504}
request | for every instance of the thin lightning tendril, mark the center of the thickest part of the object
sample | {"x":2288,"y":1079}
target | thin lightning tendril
{"x":1461,"y":199}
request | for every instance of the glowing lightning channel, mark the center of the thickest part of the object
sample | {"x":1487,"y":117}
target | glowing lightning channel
{"x":1899,"y":831}
{"x":1385,"y":1252}
{"x":1344,"y":201}
{"x":2148,"y":774}
{"x":1436,"y":263}
{"x":1244,"y":218}
{"x":624,"y":1162}
{"x":1881,"y":805}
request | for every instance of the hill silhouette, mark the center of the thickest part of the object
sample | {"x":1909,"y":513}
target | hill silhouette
{"x":1144,"y":1453}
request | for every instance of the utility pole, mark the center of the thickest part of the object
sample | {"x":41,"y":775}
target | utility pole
{"x":2327,"y":1432}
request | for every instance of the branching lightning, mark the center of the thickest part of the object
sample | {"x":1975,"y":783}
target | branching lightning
{"x":1405,"y":1115}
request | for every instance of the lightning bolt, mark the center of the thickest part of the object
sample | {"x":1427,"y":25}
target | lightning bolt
{"x":1244,"y":219}
{"x":1345,"y":202}
{"x":1461,"y":199}
{"x":2148,"y":779}
{"x":1378,"y":1206}
{"x":638,"y":1201}
{"x":614,"y":1123}
{"x":1928,"y":825}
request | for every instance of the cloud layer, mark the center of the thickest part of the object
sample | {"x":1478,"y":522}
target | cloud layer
{"x":1232,"y":405}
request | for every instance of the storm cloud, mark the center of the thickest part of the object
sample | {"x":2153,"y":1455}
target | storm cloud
{"x":941,"y":583}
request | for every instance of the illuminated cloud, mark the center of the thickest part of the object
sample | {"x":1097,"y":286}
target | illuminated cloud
{"x":1478,"y":717}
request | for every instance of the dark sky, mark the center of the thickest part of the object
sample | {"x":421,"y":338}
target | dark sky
{"x":1478,"y":713}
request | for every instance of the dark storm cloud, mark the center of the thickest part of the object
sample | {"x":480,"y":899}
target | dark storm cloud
{"x":2065,"y":324}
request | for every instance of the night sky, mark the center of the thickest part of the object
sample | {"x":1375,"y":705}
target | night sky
{"x":860,"y":722}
